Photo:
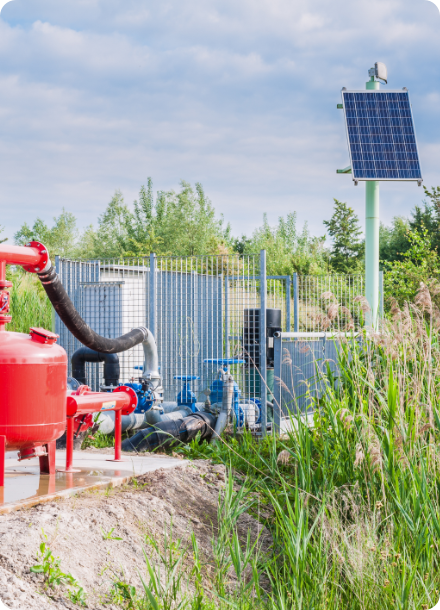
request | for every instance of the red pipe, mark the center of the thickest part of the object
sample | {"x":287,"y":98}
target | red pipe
{"x":94,"y":402}
{"x":122,"y":401}
{"x":118,"y":436}
{"x":2,"y":460}
{"x":34,"y":258}
{"x":4,"y":317}
{"x":21,"y":255}
{"x":69,"y":446}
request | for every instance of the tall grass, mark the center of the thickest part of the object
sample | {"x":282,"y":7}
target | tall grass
{"x":29,"y":303}
{"x":353,"y":505}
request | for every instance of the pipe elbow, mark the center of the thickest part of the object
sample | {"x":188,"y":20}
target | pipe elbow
{"x":151,"y":356}
{"x":86,"y":354}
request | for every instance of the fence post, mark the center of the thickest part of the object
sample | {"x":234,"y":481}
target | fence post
{"x":295,"y":304}
{"x":381,"y":294}
{"x":227,"y":330}
{"x":288,"y":284}
{"x":278,"y":345}
{"x":55,"y":319}
{"x":152,"y":320}
{"x":263,"y":359}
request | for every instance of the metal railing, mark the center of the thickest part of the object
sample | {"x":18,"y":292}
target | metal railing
{"x":197,"y":306}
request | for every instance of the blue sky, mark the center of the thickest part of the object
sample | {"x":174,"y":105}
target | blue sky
{"x":237,"y":94}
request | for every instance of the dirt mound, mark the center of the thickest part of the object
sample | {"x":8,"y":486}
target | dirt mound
{"x":100,"y":536}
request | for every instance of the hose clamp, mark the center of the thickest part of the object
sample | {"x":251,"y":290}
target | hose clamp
{"x":144,"y":329}
{"x":50,"y":275}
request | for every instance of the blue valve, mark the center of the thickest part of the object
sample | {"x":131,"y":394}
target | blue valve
{"x":216,"y":395}
{"x":186,"y":396}
{"x":224,"y":361}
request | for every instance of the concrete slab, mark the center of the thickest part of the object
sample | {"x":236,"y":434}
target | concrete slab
{"x":25,"y":486}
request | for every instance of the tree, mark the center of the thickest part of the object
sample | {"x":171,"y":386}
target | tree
{"x":242,"y":244}
{"x":187,"y":224}
{"x":428,"y":218}
{"x":344,"y":229}
{"x":110,"y":239}
{"x":141,"y":238}
{"x":60,"y":239}
{"x":288,"y":249}
{"x":420,"y":264}
{"x":1,"y":231}
{"x":181,"y":224}
{"x":393,"y":240}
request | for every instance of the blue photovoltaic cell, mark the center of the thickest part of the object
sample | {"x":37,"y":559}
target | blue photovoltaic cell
{"x":381,"y":136}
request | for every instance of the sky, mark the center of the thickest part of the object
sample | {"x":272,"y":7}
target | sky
{"x":240,"y":95}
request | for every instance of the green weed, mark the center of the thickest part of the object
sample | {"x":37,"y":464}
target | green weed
{"x":50,"y":567}
{"x":109,"y":535}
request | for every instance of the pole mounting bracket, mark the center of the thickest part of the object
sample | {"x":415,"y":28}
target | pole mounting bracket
{"x":346,"y":170}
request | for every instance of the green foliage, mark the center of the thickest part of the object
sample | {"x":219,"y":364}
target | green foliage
{"x":50,"y":567}
{"x":288,"y":249}
{"x":109,"y":535}
{"x":29,"y":303}
{"x":187,"y":220}
{"x":165,"y":575}
{"x":59,"y":239}
{"x":1,"y":231}
{"x":181,"y":224}
{"x":393,"y":239}
{"x":100,"y":440}
{"x":344,"y":229}
{"x":428,"y":217}
{"x":420,"y":264}
{"x":109,"y":241}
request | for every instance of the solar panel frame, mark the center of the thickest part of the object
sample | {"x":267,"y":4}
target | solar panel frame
{"x":394,"y":143}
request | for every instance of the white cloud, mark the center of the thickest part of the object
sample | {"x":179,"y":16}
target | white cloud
{"x":238,"y":94}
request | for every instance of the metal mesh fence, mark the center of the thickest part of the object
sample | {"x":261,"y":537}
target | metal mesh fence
{"x":195,"y":307}
{"x":304,"y":363}
{"x":200,"y":305}
{"x":300,"y":370}
{"x":279,"y":296}
{"x":203,"y":309}
{"x":112,"y":297}
{"x":313,"y":307}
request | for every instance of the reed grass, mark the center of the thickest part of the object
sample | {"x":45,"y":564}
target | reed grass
{"x":30,"y":306}
{"x":353,"y":505}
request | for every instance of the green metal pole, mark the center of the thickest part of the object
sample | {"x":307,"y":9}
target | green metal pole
{"x":372,"y":240}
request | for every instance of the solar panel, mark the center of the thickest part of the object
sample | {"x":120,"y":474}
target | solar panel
{"x":381,"y":136}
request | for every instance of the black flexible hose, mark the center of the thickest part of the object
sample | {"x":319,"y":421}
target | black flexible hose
{"x":167,"y":433}
{"x":85,"y":354}
{"x":79,"y":329}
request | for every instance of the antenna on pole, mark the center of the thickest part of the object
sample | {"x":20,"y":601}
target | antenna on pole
{"x":379,"y":71}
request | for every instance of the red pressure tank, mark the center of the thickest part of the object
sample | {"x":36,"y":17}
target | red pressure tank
{"x":33,"y":385}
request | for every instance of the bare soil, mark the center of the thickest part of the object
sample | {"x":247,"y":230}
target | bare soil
{"x":182,"y":500}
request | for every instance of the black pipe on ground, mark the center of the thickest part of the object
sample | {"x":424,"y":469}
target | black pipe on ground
{"x":79,"y":329}
{"x":167,"y":433}
{"x":85,"y":354}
